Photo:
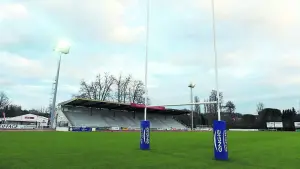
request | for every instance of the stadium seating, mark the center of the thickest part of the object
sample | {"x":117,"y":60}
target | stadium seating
{"x":116,"y":118}
{"x":82,"y":117}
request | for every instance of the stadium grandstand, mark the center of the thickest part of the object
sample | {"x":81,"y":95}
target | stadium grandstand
{"x":93,"y":113}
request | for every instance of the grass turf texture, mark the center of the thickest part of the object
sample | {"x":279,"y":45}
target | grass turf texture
{"x":181,"y":150}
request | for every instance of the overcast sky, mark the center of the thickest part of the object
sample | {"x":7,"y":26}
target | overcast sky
{"x":257,"y":41}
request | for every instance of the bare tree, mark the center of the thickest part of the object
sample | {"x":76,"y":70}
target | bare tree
{"x":125,"y":85}
{"x":4,"y":100}
{"x":197,"y":106}
{"x":259,"y":107}
{"x":122,"y":89}
{"x":107,"y":86}
{"x":118,"y":94}
{"x":212,"y":108}
{"x":136,"y":92}
{"x":100,"y":89}
{"x":122,"y":85}
{"x":44,"y":110}
{"x":230,"y":107}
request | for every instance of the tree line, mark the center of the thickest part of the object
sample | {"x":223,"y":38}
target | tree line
{"x":242,"y":121}
{"x":126,"y":89}
{"x":287,"y":117}
{"x":12,"y":110}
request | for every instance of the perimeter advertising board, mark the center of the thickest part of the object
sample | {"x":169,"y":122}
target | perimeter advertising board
{"x":124,"y":128}
{"x":115,"y":128}
{"x":8,"y":126}
{"x":16,"y":126}
{"x":297,"y":124}
{"x":270,"y":125}
{"x":278,"y":125}
{"x":102,"y":128}
{"x":274,"y":125}
{"x":26,"y":126}
{"x":81,"y":129}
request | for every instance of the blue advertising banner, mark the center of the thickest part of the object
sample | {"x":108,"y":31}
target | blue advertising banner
{"x":145,"y":135}
{"x":220,"y":140}
{"x":82,"y":129}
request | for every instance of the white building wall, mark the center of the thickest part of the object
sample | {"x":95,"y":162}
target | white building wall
{"x":61,"y":117}
{"x":28,"y":120}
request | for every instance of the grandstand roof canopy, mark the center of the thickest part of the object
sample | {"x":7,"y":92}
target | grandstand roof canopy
{"x":120,"y":106}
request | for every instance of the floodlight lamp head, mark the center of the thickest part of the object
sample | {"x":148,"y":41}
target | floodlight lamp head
{"x":63,"y":47}
{"x":192,"y":85}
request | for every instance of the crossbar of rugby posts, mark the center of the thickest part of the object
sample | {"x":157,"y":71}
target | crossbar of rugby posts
{"x":184,"y":104}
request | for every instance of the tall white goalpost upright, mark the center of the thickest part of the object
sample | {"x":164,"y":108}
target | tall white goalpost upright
{"x":219,"y":127}
{"x":145,"y":124}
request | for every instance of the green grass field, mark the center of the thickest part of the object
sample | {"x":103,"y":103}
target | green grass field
{"x":181,"y":150}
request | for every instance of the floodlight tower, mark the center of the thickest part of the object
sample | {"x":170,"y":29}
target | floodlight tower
{"x":63,"y":47}
{"x":192,"y":86}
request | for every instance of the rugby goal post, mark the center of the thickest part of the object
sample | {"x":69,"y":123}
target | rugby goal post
{"x":184,"y":104}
